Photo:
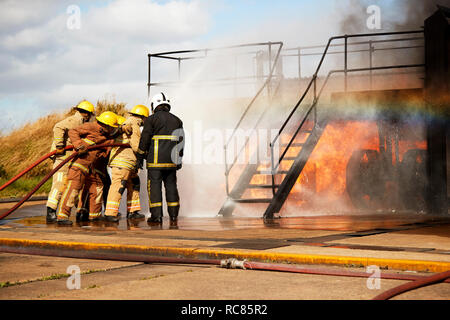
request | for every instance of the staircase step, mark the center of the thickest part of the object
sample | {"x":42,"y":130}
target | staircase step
{"x":293,"y":145}
{"x":268,"y":172}
{"x":262,"y":186}
{"x":256,"y":200}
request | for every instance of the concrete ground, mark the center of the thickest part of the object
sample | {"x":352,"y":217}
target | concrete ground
{"x":404,"y":237}
{"x":193,"y":282}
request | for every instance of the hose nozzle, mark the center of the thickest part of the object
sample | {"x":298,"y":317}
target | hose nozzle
{"x":232,"y":263}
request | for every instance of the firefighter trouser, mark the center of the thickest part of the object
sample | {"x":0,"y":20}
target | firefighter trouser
{"x":76,"y":181}
{"x":123,"y":179}
{"x":84,"y":198}
{"x":58,"y":183}
{"x":155,"y":179}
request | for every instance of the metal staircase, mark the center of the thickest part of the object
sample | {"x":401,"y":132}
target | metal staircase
{"x":311,"y":125}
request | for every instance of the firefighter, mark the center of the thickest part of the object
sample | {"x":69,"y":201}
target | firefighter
{"x":84,"y":111}
{"x":82,"y":168}
{"x":124,"y":175}
{"x":162,"y":142}
{"x":102,"y":172}
{"x":93,"y":190}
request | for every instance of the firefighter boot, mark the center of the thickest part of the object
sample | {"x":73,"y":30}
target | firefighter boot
{"x":112,"y":218}
{"x":173,"y":223}
{"x":173,"y":212}
{"x":51,"y":215}
{"x":135,"y":215}
{"x":83,"y":215}
{"x":154,"y":220}
{"x":156,"y":213}
{"x":64,"y":222}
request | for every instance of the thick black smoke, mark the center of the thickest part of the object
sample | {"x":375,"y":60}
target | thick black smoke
{"x":400,"y":15}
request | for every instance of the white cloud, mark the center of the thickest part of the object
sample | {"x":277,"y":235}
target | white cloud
{"x":144,"y":20}
{"x":44,"y":61}
{"x":16,"y":15}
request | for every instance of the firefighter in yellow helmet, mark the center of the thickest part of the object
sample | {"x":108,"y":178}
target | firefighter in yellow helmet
{"x":100,"y":172}
{"x":82,"y":169}
{"x":84,"y":111}
{"x":123,"y":168}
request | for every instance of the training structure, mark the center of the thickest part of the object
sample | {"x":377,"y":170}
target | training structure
{"x":408,"y":98}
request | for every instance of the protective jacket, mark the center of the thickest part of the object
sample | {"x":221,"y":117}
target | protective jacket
{"x":162,"y":140}
{"x":85,"y":170}
{"x":125,"y":157}
{"x":60,"y":133}
{"x":88,"y":134}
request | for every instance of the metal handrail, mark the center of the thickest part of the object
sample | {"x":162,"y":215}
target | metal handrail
{"x":351,"y":51}
{"x":228,"y":168}
{"x":254,"y":44}
{"x":314,"y":77}
{"x":248,"y":138}
{"x":317,"y":96}
{"x":354,"y":43}
{"x":168,"y":83}
{"x":323,"y":86}
{"x":265,"y":84}
{"x":167,"y":55}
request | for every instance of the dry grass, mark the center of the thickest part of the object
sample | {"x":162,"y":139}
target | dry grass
{"x":20,"y":148}
{"x":23,"y":146}
{"x":116,"y":107}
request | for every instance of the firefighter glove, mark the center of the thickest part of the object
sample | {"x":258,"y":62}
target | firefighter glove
{"x":127,"y":129}
{"x":60,"y":151}
{"x":82,"y":149}
{"x":140,"y":162}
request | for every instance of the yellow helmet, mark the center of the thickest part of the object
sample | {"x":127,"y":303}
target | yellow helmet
{"x":109,"y":118}
{"x":86,"y":106}
{"x":120,"y":120}
{"x":140,"y":110}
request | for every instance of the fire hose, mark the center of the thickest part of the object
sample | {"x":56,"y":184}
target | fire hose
{"x":426,"y":281}
{"x":34,"y":164}
{"x":51,"y":173}
{"x":416,"y":281}
{"x":64,"y":250}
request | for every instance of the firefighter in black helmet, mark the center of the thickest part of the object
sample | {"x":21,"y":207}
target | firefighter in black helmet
{"x":162,"y":142}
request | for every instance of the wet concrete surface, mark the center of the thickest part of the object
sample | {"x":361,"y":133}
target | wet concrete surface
{"x":376,"y":222}
{"x":389,"y":234}
{"x":194,"y":282}
{"x":378,"y":234}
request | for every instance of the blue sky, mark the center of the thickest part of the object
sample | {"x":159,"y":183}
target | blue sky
{"x":45,"y":68}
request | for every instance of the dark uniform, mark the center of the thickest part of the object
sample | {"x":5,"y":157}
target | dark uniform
{"x":161,"y":143}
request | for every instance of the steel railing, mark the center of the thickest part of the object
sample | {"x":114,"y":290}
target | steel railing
{"x":179,"y":58}
{"x":303,"y":51}
{"x":316,"y":95}
{"x":266,"y":84}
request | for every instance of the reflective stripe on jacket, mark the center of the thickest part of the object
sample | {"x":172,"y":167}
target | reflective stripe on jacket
{"x":60,"y":133}
{"x":89,"y":134}
{"x":126,"y":157}
{"x":162,"y":140}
